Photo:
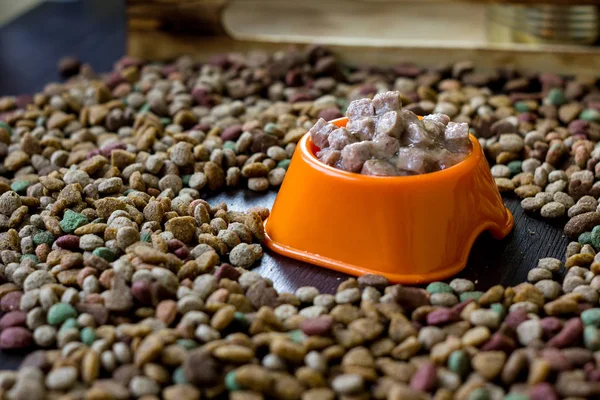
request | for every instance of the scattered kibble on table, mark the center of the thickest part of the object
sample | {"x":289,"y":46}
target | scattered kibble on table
{"x":118,"y":280}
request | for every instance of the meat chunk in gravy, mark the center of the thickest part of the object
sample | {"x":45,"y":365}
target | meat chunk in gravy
{"x":341,"y":138}
{"x":360,"y":108}
{"x":329,"y":156}
{"x":416,"y":160}
{"x":390,"y":124}
{"x":319,"y":133}
{"x":456,"y":137}
{"x":388,"y":101}
{"x":385,"y":147}
{"x":364,"y":127}
{"x":382,"y":139}
{"x":415,"y":132}
{"x":354,"y":156}
{"x":379,"y":168}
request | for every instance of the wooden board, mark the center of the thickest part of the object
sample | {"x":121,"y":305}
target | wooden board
{"x":358,"y":32}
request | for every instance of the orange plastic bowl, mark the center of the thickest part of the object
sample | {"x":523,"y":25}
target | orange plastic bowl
{"x":411,"y":229}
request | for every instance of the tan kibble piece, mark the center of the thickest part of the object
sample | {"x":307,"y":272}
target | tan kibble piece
{"x":223,"y":318}
{"x":105,"y":207}
{"x":149,"y":255}
{"x":538,"y":371}
{"x":581,"y":259}
{"x":90,"y":367}
{"x":254,"y":170}
{"x":92,"y":165}
{"x":493,"y":295}
{"x":476,"y":336}
{"x":182,"y":391}
{"x":16,"y":160}
{"x":407,"y":349}
{"x":489,"y":364}
{"x":528,"y":292}
{"x":234,"y":353}
{"x":562,"y":305}
{"x":59,"y":120}
{"x":149,"y":349}
{"x":288,"y":350}
{"x":183,"y":228}
{"x":441,"y":351}
{"x":254,"y":377}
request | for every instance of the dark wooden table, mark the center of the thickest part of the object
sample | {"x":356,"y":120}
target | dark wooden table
{"x":94,"y":31}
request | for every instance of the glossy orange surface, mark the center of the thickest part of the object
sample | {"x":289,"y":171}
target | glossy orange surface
{"x":411,"y":229}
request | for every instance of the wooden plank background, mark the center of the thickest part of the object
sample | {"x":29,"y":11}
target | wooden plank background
{"x":381,"y":32}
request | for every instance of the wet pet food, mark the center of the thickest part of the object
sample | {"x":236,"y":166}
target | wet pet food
{"x":382,"y":139}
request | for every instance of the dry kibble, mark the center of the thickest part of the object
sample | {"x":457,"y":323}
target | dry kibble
{"x":538,"y":274}
{"x":553,"y":209}
{"x":119,"y":280}
{"x":258,"y":184}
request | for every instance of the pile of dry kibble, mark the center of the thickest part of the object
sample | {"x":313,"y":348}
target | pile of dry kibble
{"x":135,"y":287}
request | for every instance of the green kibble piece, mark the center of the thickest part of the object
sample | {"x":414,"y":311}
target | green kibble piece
{"x":591,"y":338}
{"x":297,"y":335}
{"x":591,"y":317}
{"x":479,"y":394}
{"x":240,"y":317}
{"x":458,"y":362}
{"x":499,"y":308}
{"x":106,"y":253}
{"x":521,"y":106}
{"x":30,"y":256}
{"x":231,"y":382}
{"x":187,"y":343}
{"x":145,"y":108}
{"x":69,"y":323}
{"x":126,"y":192}
{"x":230,"y":144}
{"x":284,"y":164}
{"x":556,"y":97}
{"x":88,"y":335}
{"x":41,"y":121}
{"x":4,"y":125}
{"x":72,"y":220}
{"x":439,"y":287}
{"x":585,"y":238}
{"x":595,"y":237}
{"x":271,"y":128}
{"x":19,"y":186}
{"x":179,"y":376}
{"x":165,"y":121}
{"x":515,"y":167}
{"x":60,"y":312}
{"x":516,"y":396}
{"x":43,"y":237}
{"x":475,"y":295}
{"x":185,"y":179}
{"x":590,"y":115}
{"x":146,"y":237}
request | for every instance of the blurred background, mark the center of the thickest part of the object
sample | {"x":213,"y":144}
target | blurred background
{"x":10,"y":9}
{"x":35,"y":34}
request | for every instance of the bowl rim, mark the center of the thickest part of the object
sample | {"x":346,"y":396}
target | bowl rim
{"x":470,"y":162}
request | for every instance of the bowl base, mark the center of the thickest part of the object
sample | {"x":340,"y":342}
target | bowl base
{"x":497,"y":232}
